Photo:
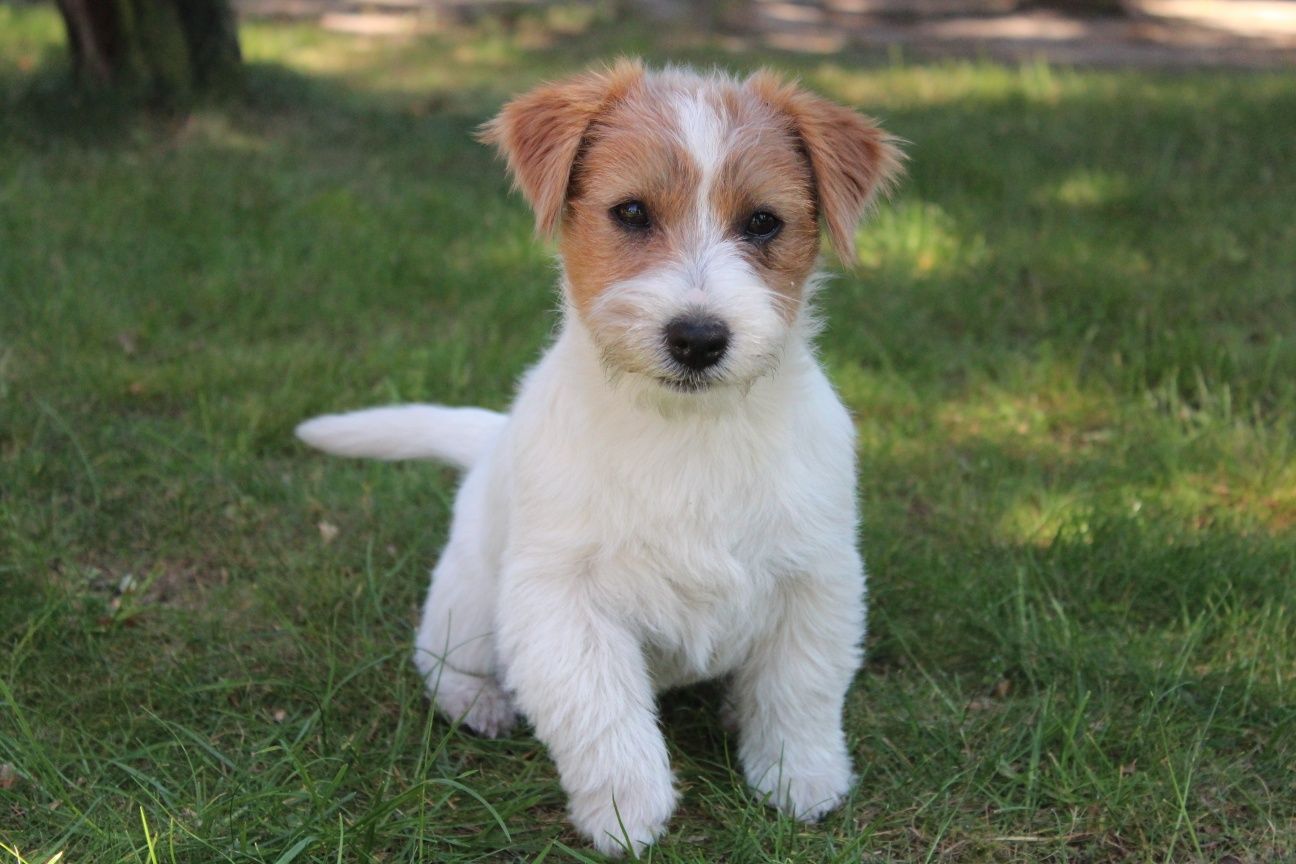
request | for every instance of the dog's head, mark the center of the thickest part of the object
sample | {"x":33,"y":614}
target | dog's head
{"x":689,"y":208}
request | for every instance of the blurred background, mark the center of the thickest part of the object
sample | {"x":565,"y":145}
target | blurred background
{"x":1067,"y":341}
{"x":108,"y":38}
{"x":111,"y":40}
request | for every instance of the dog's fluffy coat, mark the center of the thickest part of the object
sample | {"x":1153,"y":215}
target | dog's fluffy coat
{"x":633,"y":525}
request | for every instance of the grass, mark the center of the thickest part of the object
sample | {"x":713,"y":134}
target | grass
{"x":1067,"y":342}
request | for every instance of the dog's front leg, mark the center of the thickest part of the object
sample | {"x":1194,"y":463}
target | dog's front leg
{"x":789,"y":694}
{"x":579,"y":675}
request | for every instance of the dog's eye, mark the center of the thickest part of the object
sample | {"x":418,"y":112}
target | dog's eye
{"x":762,"y":226}
{"x":632,"y":214}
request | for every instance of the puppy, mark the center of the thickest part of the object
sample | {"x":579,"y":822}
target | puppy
{"x":672,"y":496}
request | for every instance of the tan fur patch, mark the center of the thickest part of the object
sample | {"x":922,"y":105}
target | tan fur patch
{"x":765,"y":170}
{"x":541,"y":131}
{"x":631,"y":154}
{"x":852,"y":158}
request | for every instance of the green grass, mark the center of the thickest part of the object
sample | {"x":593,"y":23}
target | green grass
{"x":1068,"y":342}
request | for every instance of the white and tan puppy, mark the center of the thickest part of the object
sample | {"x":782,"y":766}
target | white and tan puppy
{"x":672,"y":496}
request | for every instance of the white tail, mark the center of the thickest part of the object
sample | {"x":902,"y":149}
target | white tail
{"x":459,"y":436}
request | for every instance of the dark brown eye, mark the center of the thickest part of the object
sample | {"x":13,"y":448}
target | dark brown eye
{"x":632,"y":214}
{"x":762,"y":226}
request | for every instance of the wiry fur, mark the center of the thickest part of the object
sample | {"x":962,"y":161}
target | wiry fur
{"x":629,"y":528}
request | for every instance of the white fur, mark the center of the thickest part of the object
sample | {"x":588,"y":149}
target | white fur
{"x":702,"y":133}
{"x":616,"y":537}
{"x":626,"y":320}
{"x":610,"y":544}
{"x":455,"y":435}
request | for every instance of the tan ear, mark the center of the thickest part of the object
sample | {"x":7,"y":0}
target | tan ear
{"x":852,"y":158}
{"x":540,"y":133}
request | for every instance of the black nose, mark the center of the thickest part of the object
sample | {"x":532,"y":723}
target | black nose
{"x":697,"y":342}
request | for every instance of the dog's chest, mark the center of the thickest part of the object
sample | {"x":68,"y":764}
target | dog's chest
{"x":693,"y":537}
{"x":685,"y":528}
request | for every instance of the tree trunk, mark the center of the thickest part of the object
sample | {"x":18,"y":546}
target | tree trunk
{"x":168,"y":49}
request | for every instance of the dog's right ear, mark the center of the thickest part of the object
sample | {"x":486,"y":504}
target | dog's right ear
{"x":540,"y":133}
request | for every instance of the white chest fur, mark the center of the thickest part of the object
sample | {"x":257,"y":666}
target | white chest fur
{"x":684,"y":517}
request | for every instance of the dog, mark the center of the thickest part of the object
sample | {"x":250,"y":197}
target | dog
{"x":671,"y":497}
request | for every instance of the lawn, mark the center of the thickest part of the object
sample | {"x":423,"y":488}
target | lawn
{"x":1068,"y":342}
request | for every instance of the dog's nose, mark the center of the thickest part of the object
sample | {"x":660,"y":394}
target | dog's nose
{"x":697,"y":342}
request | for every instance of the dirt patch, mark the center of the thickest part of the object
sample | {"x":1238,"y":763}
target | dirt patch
{"x":127,"y":590}
{"x":1151,"y":33}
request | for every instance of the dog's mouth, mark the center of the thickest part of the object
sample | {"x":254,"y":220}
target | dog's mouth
{"x":686,"y":383}
{"x":681,"y":378}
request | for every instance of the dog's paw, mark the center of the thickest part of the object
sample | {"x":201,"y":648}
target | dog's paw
{"x":631,"y":823}
{"x":491,"y":714}
{"x":473,"y":701}
{"x":805,"y":796}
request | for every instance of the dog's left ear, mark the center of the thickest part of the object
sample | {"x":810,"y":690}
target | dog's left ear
{"x":540,"y":133}
{"x":851,"y":157}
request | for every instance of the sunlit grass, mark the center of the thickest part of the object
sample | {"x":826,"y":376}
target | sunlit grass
{"x":1089,"y":189}
{"x":1067,"y":343}
{"x":16,"y":856}
{"x":917,"y":240}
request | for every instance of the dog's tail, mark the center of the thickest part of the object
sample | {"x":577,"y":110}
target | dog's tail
{"x":459,"y":436}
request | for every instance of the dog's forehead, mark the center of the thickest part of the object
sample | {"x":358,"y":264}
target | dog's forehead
{"x":702,"y":121}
